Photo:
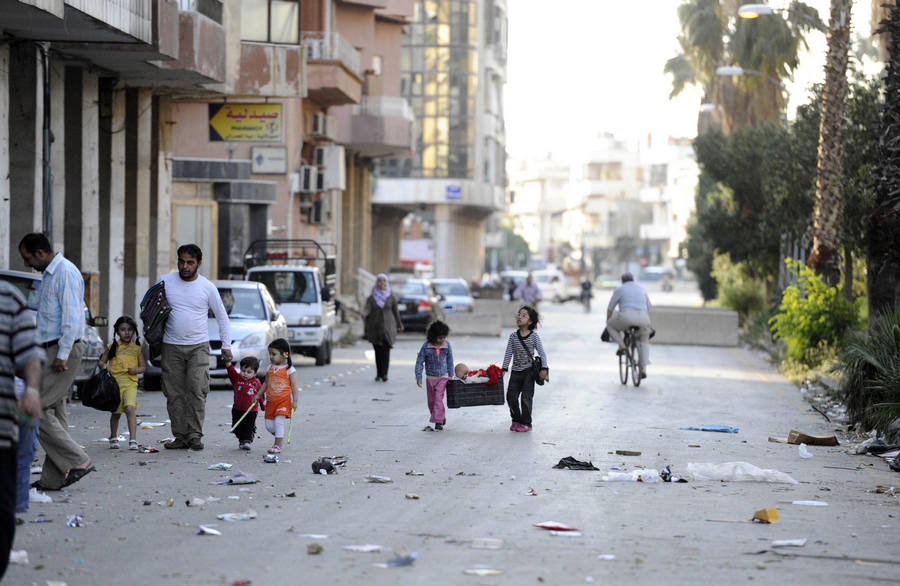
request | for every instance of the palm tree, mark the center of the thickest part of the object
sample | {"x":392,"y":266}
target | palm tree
{"x":825,"y":257}
{"x":769,"y":46}
{"x":884,"y":225}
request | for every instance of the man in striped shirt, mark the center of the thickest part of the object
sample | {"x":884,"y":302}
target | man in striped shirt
{"x":60,"y":322}
{"x":20,"y":354}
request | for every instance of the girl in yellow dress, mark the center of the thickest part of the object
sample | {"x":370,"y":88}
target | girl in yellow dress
{"x":125,"y":362}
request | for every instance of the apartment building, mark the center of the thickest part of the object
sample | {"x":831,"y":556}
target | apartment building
{"x":452,"y":72}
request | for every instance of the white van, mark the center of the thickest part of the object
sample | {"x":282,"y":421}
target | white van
{"x":300,"y":275}
{"x":552,"y":283}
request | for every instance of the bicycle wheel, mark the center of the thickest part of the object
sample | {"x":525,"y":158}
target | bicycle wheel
{"x":623,"y":366}
{"x":633,"y":360}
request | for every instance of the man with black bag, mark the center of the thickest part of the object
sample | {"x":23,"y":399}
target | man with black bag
{"x":185,"y":347}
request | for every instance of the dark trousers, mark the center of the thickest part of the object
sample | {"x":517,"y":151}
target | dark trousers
{"x":382,"y":360}
{"x":520,"y":395}
{"x":246,"y":431}
{"x":7,"y":504}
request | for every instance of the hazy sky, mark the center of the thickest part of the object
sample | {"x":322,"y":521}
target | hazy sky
{"x":577,"y":68}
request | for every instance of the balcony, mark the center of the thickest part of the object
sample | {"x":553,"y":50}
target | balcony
{"x":81,"y":21}
{"x":333,"y":72}
{"x":270,"y":70}
{"x":378,"y":126}
{"x":656,"y":231}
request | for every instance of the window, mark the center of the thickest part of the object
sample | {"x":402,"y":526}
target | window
{"x":376,"y":64}
{"x":271,"y":21}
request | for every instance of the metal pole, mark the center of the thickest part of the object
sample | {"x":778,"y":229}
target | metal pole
{"x":44,"y":49}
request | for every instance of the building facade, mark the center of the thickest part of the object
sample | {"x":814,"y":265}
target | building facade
{"x":453,"y":68}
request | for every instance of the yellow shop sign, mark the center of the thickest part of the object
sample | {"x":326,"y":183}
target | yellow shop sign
{"x":245,"y":122}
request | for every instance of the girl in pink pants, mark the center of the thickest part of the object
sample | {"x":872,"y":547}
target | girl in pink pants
{"x":436,"y":359}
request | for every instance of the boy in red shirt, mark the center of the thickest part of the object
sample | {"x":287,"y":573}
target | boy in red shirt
{"x":246,"y":385}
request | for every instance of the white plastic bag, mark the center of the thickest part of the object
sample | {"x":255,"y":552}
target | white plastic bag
{"x":804,"y":453}
{"x":649,"y":475}
{"x":736,"y":471}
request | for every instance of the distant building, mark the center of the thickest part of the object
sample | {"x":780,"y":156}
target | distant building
{"x":452,"y":72}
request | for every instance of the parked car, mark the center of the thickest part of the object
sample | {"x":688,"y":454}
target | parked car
{"x":655,"y":273}
{"x":255,"y":322}
{"x":30,"y":286}
{"x":455,"y":293}
{"x":419,"y":304}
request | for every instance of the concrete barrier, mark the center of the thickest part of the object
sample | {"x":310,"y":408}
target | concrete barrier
{"x":503,"y":309}
{"x":694,"y":326}
{"x":473,"y":324}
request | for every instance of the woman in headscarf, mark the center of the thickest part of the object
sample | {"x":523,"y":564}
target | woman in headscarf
{"x":382,"y":322}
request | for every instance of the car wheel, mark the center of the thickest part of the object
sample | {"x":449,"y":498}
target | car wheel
{"x":152,"y":382}
{"x":321,"y":354}
{"x":330,"y":348}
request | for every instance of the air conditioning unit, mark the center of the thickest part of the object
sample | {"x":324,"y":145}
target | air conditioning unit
{"x":334,"y":166}
{"x":294,"y":182}
{"x":317,"y":124}
{"x":307,"y":179}
{"x":305,"y":202}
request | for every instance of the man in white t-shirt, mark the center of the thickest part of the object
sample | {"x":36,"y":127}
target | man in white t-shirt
{"x":634,"y":310}
{"x":185,"y":348}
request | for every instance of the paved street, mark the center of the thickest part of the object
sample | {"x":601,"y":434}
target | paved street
{"x":476,"y":482}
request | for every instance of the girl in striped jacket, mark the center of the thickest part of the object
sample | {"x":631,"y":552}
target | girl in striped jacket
{"x":520,"y":349}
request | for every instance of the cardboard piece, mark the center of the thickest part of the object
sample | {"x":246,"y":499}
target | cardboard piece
{"x":798,"y":437}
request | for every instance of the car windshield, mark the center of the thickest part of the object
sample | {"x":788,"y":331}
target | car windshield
{"x":452,"y":288}
{"x":413,"y":288}
{"x":242,"y":303}
{"x":288,"y":286}
{"x":29,"y":288}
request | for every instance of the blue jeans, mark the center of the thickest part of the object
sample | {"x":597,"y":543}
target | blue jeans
{"x":25,"y":456}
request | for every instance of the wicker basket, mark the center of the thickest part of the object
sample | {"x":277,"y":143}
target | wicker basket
{"x":460,"y":394}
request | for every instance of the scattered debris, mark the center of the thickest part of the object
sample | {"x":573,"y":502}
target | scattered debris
{"x":208,"y":530}
{"x":766,"y":516}
{"x":607,"y":557}
{"x":570,"y":463}
{"x":565,"y":533}
{"x":41,"y":519}
{"x":220,"y":466}
{"x":314,"y":548}
{"x":412,"y":497}
{"x":789,"y":542}
{"x":74,"y":521}
{"x":414,"y":473}
{"x":627,"y":453}
{"x":810,"y":503}
{"x":736,"y":471}
{"x":18,"y":556}
{"x":716,"y":428}
{"x":399,"y":561}
{"x":798,"y":437}
{"x":555,"y":526}
{"x":270,"y":458}
{"x":146,"y":450}
{"x":374,"y":478}
{"x":883,"y":490}
{"x":314,"y":535}
{"x":804,"y":453}
{"x":232,"y":517}
{"x":195,"y":502}
{"x":328,"y":465}
{"x":648,"y":475}
{"x":239,"y":478}
{"x":482,"y":572}
{"x":367,"y":548}
{"x":531,"y":492}
{"x":667,"y":476}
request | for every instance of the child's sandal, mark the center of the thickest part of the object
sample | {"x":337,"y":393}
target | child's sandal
{"x":133,"y":445}
{"x":113,"y":443}
{"x":274,"y":450}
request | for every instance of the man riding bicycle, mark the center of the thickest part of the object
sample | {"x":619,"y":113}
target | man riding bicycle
{"x":634,"y":310}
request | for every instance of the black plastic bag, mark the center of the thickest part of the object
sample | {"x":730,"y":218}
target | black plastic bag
{"x":570,"y":463}
{"x":102,"y":392}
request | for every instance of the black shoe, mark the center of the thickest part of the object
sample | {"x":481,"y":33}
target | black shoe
{"x":438,"y":426}
{"x":195,"y":444}
{"x":176,"y":444}
{"x":37,"y":484}
{"x":76,"y":474}
{"x":643,"y":374}
{"x":620,"y":352}
{"x":384,"y":379}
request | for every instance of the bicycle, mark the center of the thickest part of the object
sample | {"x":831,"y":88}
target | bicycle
{"x":628,"y":360}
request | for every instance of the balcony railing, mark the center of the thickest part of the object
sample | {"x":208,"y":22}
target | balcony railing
{"x":134,"y":17}
{"x":321,"y":46}
{"x":212,"y":9}
{"x":385,"y":107}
